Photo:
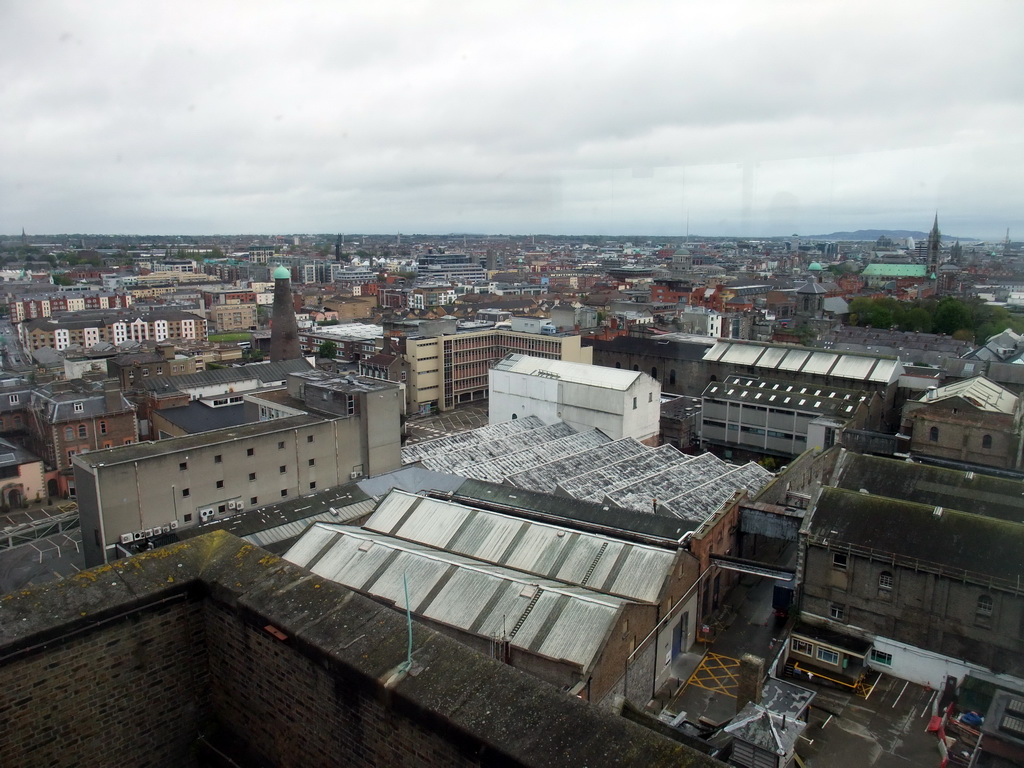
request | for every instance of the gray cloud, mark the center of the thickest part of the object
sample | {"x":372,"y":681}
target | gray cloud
{"x":750,"y":117}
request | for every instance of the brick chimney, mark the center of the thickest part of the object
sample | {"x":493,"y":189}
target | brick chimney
{"x":751,"y":680}
{"x":112,"y":401}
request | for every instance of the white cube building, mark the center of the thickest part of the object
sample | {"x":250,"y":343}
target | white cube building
{"x":620,"y":403}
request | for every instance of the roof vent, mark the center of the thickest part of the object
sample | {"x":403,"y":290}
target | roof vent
{"x":937,"y":512}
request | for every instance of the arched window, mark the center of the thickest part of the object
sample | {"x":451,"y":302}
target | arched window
{"x":672,"y":376}
{"x":933,"y":434}
{"x":984,"y":605}
{"x":636,"y":368}
{"x":69,"y":433}
{"x":618,"y":365}
{"x":81,"y":430}
{"x":885,"y":580}
{"x":654,"y":373}
{"x":986,"y":442}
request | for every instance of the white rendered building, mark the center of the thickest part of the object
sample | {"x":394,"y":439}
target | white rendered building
{"x":618,"y":402}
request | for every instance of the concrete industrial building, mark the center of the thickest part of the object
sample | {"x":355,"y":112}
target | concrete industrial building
{"x":134,"y":493}
{"x":750,"y":417}
{"x":619,"y":403}
{"x":450,"y":368}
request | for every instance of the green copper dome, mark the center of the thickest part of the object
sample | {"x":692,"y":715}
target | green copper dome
{"x":814,"y":267}
{"x":282,"y":273}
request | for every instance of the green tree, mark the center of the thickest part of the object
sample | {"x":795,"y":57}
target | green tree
{"x":62,"y":280}
{"x":952,"y":315}
{"x":328,"y":349}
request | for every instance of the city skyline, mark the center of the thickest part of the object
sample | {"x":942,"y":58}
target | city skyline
{"x":737,"y":120}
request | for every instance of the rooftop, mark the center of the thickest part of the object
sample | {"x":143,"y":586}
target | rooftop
{"x":983,"y":394}
{"x":971,"y":492}
{"x":576,"y":373}
{"x":923,"y":536}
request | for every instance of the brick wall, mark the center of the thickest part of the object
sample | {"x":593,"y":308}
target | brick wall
{"x":320,"y":717}
{"x":149,"y":661}
{"x":128,"y":693}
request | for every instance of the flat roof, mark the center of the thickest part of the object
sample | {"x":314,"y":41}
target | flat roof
{"x":144,"y":450}
{"x":577,"y":373}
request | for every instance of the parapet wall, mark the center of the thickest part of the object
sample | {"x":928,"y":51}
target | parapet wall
{"x":138,"y":663}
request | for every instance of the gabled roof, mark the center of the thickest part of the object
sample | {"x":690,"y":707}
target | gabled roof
{"x":979,"y":392}
{"x":601,"y":563}
{"x":540,"y":616}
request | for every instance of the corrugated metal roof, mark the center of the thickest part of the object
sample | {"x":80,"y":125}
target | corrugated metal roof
{"x":794,"y":360}
{"x":820,"y":363}
{"x":742,"y":354}
{"x":295,"y":528}
{"x":852,"y":367}
{"x":772,"y":357}
{"x":585,"y":559}
{"x":557,"y":621}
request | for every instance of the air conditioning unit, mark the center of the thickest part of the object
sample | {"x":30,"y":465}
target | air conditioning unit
{"x":138,"y":536}
{"x":234,"y":505}
{"x":148,"y":533}
{"x":355,"y":475}
{"x":127,"y":538}
{"x":174,"y":524}
{"x":205,"y":514}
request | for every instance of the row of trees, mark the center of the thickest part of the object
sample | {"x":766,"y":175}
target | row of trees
{"x":971,"y":320}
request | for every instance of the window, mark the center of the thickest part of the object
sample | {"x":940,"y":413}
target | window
{"x":284,"y":492}
{"x":650,"y":397}
{"x":218,"y":459}
{"x":933,"y":434}
{"x":185,"y":493}
{"x":188,"y":517}
{"x":885,"y":580}
{"x":283,"y":468}
{"x":312,"y":486}
{"x":250,"y":452}
{"x":280,"y":444}
{"x":183,"y":466}
{"x":222,"y":508}
{"x":252,"y":476}
{"x":984,"y":606}
{"x":828,"y":656}
{"x":69,"y":433}
{"x":881,"y":657}
{"x":634,"y":403}
{"x":839,"y":560}
{"x":13,"y":399}
{"x":128,"y":441}
{"x":81,"y":430}
{"x":837,"y":611}
{"x":802,"y":646}
{"x":253,"y":500}
{"x":103,"y":427}
{"x":312,"y":462}
{"x":986,"y":442}
{"x":309,"y":438}
{"x":220,"y":483}
{"x":79,"y":407}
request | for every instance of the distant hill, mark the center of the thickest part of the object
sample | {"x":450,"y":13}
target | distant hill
{"x":874,"y":234}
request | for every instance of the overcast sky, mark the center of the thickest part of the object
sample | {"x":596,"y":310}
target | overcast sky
{"x":757,"y":118}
